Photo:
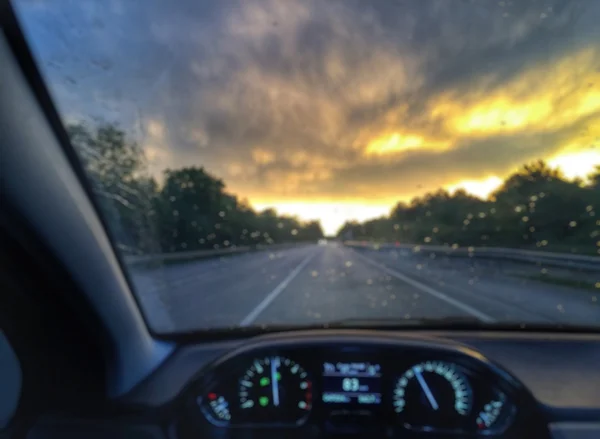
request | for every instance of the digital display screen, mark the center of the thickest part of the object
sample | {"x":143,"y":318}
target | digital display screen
{"x":351,"y":383}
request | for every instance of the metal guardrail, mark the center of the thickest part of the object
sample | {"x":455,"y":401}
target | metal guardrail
{"x":564,"y":260}
{"x":202,"y":254}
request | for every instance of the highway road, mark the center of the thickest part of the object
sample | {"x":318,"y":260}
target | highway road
{"x":318,"y":284}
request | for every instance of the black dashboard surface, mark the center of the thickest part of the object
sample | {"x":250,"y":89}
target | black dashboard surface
{"x":349,"y":383}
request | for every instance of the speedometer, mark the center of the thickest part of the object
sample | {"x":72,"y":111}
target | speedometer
{"x":275,"y":390}
{"x":433,"y":395}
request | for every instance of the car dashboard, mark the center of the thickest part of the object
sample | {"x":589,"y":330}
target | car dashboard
{"x":333,"y":383}
{"x":321,"y":386}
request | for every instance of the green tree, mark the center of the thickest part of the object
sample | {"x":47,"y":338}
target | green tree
{"x":191,"y":210}
{"x":594,"y":178}
{"x":196,"y":212}
{"x":115,"y":167}
{"x":536,"y":207}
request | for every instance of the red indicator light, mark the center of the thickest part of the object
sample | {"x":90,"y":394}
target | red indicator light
{"x":212,"y":396}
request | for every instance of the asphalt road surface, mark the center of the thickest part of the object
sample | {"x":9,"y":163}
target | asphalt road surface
{"x":319,"y":284}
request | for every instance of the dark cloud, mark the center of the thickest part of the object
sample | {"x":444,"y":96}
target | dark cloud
{"x":264,"y":90}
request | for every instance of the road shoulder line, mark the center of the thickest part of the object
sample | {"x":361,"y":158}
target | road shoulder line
{"x":249,"y":319}
{"x":427,"y":289}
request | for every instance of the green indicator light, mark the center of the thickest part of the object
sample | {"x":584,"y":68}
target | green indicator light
{"x":263,"y":401}
{"x":264,"y":381}
{"x":278,"y":376}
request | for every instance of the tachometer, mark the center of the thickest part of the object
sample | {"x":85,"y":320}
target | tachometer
{"x":275,"y":390}
{"x":433,"y":395}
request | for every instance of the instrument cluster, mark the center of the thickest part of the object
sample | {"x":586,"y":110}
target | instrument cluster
{"x":354,"y":387}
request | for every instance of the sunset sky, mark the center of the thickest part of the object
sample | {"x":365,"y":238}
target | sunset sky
{"x":333,"y":109}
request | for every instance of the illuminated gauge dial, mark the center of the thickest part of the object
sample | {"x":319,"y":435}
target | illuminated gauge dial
{"x":275,"y":390}
{"x":215,"y":408}
{"x":489,"y":416}
{"x":433,"y":395}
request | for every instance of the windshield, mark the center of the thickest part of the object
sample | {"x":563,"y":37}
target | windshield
{"x":309,"y":162}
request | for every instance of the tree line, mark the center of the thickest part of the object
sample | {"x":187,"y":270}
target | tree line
{"x":189,"y":210}
{"x":536,"y":207}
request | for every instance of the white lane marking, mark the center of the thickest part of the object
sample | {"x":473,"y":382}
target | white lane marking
{"x":427,"y":289}
{"x":276,"y":292}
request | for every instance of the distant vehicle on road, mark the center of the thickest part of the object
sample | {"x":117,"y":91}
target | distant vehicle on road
{"x":322,"y":242}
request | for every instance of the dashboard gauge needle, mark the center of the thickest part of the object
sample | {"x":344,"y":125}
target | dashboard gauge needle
{"x":274,"y":382}
{"x":426,"y":389}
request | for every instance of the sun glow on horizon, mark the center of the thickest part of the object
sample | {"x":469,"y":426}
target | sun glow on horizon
{"x":332,"y":215}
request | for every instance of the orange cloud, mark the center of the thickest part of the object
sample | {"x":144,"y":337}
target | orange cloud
{"x":543,"y":98}
{"x":263,"y":156}
{"x":397,"y":143}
